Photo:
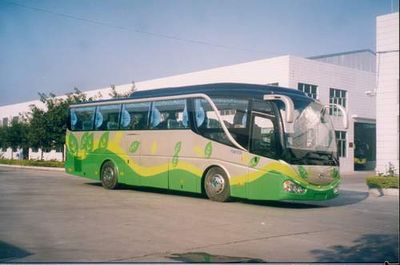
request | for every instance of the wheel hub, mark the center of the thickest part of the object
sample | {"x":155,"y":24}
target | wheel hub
{"x":108,"y":174}
{"x":217,"y":183}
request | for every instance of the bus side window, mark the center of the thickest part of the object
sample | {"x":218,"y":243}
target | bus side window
{"x":169,"y":115}
{"x":206,"y":122}
{"x":107,"y":117}
{"x":73,"y":120}
{"x":233,"y":113}
{"x":82,"y":119}
{"x":134,"y":116}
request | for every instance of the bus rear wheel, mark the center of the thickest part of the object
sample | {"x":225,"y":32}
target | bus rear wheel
{"x":216,"y":185}
{"x":109,"y":176}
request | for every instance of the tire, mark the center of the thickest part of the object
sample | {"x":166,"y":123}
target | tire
{"x":216,"y":185}
{"x":109,"y":176}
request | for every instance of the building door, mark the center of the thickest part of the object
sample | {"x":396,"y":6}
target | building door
{"x":364,"y":146}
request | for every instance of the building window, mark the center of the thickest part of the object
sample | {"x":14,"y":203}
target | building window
{"x":227,"y":112}
{"x":339,"y":97}
{"x":341,"y":143}
{"x":310,"y":90}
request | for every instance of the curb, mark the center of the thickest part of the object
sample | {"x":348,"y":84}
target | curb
{"x":384,"y":192}
{"x":33,"y":167}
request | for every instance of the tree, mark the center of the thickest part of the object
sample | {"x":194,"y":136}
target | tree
{"x":16,"y":136}
{"x":48,"y":127}
{"x":42,"y":128}
{"x":3,"y":143}
{"x":37,"y":135}
{"x":115,"y":94}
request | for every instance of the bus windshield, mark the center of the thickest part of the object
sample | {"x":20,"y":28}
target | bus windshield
{"x":310,"y":139}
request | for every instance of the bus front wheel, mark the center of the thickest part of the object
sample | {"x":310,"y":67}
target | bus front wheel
{"x":216,"y":185}
{"x":109,"y":176}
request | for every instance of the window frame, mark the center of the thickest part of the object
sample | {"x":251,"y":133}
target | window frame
{"x":200,"y":132}
{"x":146,"y":127}
{"x":184,"y":96}
{"x":97,"y":111}
{"x":303,"y":87}
{"x":93,"y":119}
{"x":167,"y":129}
{"x":342,"y":142}
{"x":277,"y":128}
{"x":333,"y":111}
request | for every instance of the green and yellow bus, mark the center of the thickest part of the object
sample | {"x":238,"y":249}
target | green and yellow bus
{"x":224,"y":140}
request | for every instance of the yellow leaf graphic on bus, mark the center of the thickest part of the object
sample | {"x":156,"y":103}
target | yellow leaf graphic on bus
{"x":134,"y":146}
{"x":245,"y":157}
{"x":72,"y":144}
{"x":89,"y":143}
{"x":208,"y":150}
{"x":104,"y":140}
{"x":154,"y":148}
{"x":198,"y":150}
{"x":84,"y":141}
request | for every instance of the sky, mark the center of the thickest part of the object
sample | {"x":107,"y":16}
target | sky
{"x":56,"y":45}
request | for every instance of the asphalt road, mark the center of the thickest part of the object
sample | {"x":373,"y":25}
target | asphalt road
{"x":54,"y":217}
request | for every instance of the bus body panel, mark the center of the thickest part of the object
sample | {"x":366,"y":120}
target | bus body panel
{"x":162,"y":159}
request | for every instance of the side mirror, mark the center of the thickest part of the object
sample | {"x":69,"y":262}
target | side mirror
{"x":289,"y":106}
{"x":344,"y":113}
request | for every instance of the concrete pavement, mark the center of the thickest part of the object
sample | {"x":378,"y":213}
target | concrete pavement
{"x":54,"y":217}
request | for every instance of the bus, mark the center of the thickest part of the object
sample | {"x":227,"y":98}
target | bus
{"x":225,"y":140}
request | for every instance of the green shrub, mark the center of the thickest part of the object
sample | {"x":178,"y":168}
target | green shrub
{"x":37,"y":163}
{"x":391,"y":182}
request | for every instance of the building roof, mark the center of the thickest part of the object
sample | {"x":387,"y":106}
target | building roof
{"x":364,"y":60}
{"x":342,"y":53}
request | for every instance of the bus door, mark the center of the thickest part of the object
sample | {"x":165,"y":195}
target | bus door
{"x":264,"y":146}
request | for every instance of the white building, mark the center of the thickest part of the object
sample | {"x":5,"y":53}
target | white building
{"x":387,"y":93}
{"x":341,"y":78}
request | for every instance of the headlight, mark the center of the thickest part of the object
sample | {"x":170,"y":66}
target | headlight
{"x":290,"y":186}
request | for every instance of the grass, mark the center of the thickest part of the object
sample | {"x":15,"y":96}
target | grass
{"x":35,"y":163}
{"x":380,"y":182}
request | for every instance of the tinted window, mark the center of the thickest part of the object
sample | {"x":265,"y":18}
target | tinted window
{"x":263,"y":106}
{"x":264,"y":137}
{"x":107,"y":117}
{"x":135,"y":116}
{"x":233,"y":113}
{"x":169,"y":114}
{"x":82,"y":119}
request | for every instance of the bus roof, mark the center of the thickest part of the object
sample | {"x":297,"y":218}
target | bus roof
{"x":241,"y":90}
{"x":219,"y":89}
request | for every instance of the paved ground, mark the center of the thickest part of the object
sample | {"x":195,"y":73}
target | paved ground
{"x":53,"y":217}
